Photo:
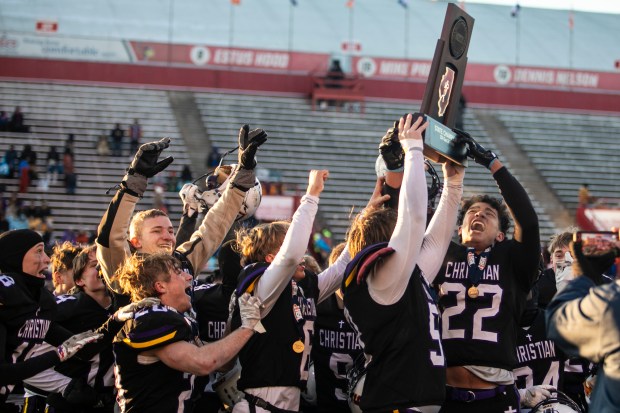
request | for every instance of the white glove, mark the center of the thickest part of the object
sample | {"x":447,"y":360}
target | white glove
{"x":129,"y":311}
{"x":531,"y":396}
{"x":249,"y":309}
{"x":75,"y":343}
{"x":191,"y":196}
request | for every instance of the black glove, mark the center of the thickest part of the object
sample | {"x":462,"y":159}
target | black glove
{"x":390,"y":149}
{"x":249,"y":141}
{"x":591,"y":267}
{"x":476,"y":151}
{"x":145,"y":161}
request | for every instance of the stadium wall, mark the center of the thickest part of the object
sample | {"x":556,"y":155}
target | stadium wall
{"x":254,"y":80}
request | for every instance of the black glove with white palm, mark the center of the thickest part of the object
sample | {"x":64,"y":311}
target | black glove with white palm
{"x":145,"y":165}
{"x":477,"y":152}
{"x":249,"y":142}
{"x":391,"y":150}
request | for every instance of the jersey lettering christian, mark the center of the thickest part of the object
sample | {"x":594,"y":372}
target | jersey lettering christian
{"x":539,"y":361}
{"x":481,"y":331}
{"x":334,"y":350}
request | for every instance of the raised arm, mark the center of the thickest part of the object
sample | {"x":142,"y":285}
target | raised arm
{"x":441,"y":228}
{"x":279,"y":273}
{"x":218,"y":221}
{"x":112,"y":242}
{"x":386,"y":284}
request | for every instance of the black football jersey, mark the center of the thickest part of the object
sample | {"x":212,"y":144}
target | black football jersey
{"x":211,"y":306}
{"x":281,"y":356}
{"x":26,"y":313}
{"x":539,"y":360}
{"x":144,"y":383}
{"x":406,"y":366}
{"x":482,"y":331}
{"x":334,"y":349}
{"x":77,"y":313}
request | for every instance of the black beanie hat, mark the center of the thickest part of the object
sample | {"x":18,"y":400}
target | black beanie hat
{"x":14,"y":245}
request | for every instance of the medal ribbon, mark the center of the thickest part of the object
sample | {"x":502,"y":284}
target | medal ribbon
{"x":476,"y":265}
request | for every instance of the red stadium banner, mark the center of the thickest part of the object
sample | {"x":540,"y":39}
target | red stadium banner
{"x":485,"y":74}
{"x":232,"y":57}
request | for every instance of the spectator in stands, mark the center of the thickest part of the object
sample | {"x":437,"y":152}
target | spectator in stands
{"x":585,"y":199}
{"x":213,"y":160}
{"x":4,"y":121}
{"x":333,"y":79}
{"x":62,"y":266}
{"x":69,"y":169}
{"x":54,"y":167}
{"x":186,"y":175}
{"x":103,"y":147}
{"x":31,"y":156}
{"x":16,"y":124}
{"x":334,"y":74}
{"x":12,"y":159}
{"x":164,"y":333}
{"x":117,"y":134}
{"x":24,"y":175}
{"x":70,"y":142}
{"x":135,"y":134}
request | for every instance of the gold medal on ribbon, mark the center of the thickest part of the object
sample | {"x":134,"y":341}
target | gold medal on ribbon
{"x":298,"y":346}
{"x":472,"y":292}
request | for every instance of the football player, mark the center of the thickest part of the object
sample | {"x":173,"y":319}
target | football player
{"x":158,"y":352}
{"x":483,"y":286}
{"x":334,"y":349}
{"x":386,"y":288}
{"x":151,"y":231}
{"x":275,"y":364}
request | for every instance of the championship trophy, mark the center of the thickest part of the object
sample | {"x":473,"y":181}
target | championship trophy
{"x":443,"y":88}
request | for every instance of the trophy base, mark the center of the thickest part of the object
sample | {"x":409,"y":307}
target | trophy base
{"x":439,"y":144}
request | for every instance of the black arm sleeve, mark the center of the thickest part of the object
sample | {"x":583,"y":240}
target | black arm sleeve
{"x":187,"y":226}
{"x":517,"y":199}
{"x":14,"y":373}
{"x":394,"y":194}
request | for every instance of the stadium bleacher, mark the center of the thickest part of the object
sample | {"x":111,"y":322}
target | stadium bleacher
{"x":345,"y":142}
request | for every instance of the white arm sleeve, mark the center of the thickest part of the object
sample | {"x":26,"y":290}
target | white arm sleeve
{"x":441,"y":228}
{"x":331,"y":278}
{"x":386,"y":284}
{"x":279,"y":273}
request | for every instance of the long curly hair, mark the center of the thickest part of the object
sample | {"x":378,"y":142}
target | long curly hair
{"x":140,"y":272}
{"x":256,"y":243}
{"x":371,"y":226}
